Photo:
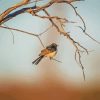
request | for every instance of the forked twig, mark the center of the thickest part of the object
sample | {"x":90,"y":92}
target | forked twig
{"x":41,"y":42}
{"x":29,"y":33}
{"x":88,"y":35}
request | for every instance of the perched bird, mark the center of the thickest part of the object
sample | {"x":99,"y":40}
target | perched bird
{"x":50,"y":51}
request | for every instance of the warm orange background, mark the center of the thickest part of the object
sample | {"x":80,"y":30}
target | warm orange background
{"x":47,"y":91}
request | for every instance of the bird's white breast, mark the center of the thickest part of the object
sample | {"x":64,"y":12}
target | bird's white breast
{"x":51,"y":54}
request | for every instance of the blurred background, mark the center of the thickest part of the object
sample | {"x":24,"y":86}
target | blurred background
{"x":20,"y":80}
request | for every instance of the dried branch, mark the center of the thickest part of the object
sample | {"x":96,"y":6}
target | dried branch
{"x":41,"y":42}
{"x":5,"y":13}
{"x":18,"y":30}
{"x":64,"y":33}
{"x":16,"y":13}
{"x":88,"y":35}
{"x":74,"y":8}
{"x":31,"y":11}
{"x":51,"y":20}
{"x":29,"y":33}
{"x":64,"y":20}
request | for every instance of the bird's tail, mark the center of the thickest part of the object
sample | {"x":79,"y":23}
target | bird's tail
{"x":37,"y":60}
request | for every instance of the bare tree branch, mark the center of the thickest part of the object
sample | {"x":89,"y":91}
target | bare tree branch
{"x":5,"y":13}
{"x":16,"y":13}
{"x":29,"y":33}
{"x":18,"y":30}
{"x":88,"y":35}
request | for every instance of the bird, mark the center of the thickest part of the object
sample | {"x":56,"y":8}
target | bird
{"x":50,"y":51}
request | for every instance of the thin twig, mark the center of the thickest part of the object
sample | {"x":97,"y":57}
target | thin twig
{"x":41,"y":42}
{"x":46,"y":30}
{"x":79,"y":16}
{"x":18,"y":30}
{"x":23,"y":32}
{"x":89,"y":35}
{"x":11,"y":33}
{"x":74,"y":8}
{"x":56,"y":60}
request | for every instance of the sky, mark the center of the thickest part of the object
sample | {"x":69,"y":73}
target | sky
{"x":16,"y":59}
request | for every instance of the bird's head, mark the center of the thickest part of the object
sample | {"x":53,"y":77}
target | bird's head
{"x":54,"y":45}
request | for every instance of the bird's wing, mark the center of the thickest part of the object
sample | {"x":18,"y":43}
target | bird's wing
{"x":44,"y":52}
